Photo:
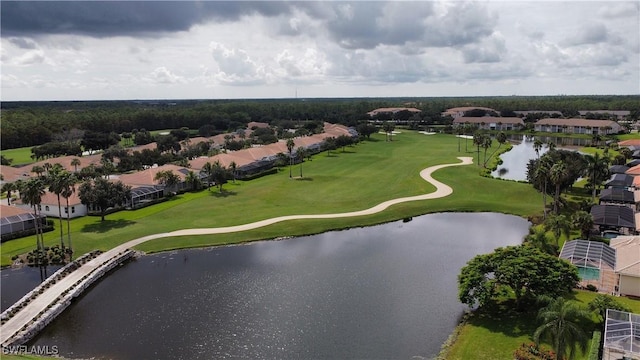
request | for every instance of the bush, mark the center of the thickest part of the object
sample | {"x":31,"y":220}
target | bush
{"x":533,"y":352}
{"x":594,"y":354}
{"x":591,"y":288}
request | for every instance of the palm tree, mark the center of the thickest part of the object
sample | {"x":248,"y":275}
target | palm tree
{"x":208,"y":171}
{"x":232,"y":167}
{"x":478,"y":140}
{"x":501,"y":138}
{"x":537,"y":146}
{"x":47,"y":167}
{"x":301,"y":153}
{"x":219,"y":174}
{"x":290,"y":145}
{"x":542,"y":173}
{"x":167,"y":178}
{"x":486,"y":143}
{"x":9,"y":188}
{"x":597,"y":170}
{"x":468,"y":129}
{"x":32,"y":193}
{"x":192,"y":179}
{"x":56,"y":185}
{"x":75,"y":162}
{"x":582,"y":221}
{"x":557,"y":175}
{"x":561,"y":323}
{"x":39,"y":170}
{"x":559,"y":225}
{"x":388,"y":128}
{"x":540,"y":240}
{"x":68,"y":185}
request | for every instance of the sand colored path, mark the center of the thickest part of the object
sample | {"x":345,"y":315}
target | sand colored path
{"x":49,"y":296}
{"x":442,"y":190}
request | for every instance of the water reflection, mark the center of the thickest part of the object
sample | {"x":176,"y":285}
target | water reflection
{"x":514,"y":161}
{"x":15,"y":283}
{"x":387,"y":291}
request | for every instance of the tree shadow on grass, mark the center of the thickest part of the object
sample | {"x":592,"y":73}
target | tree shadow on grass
{"x":107,"y":225}
{"x":504,"y":318}
{"x":223,"y":194}
{"x":303,"y":178}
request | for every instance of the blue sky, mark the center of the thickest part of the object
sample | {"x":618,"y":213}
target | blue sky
{"x":212,"y":49}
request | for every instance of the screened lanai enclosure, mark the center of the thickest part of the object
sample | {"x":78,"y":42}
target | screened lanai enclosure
{"x":18,"y":223}
{"x":621,"y":336}
{"x":143,"y":195}
{"x":595,"y":261}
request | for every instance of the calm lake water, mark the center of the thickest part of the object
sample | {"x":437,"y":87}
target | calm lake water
{"x":514,"y":161}
{"x":382,"y":292}
{"x":16,"y":283}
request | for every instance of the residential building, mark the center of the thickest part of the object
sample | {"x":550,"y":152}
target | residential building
{"x":627,"y":264}
{"x":491,"y":122}
{"x":15,"y":219}
{"x":618,"y":196}
{"x":578,"y":126}
{"x":49,"y":205}
{"x":620,"y":181}
{"x":612,"y":217}
{"x":619,"y":114}
{"x":392,"y":111}
{"x":457,"y":112}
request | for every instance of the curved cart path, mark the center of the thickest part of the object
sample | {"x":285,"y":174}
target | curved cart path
{"x":49,"y":296}
{"x":442,"y":190}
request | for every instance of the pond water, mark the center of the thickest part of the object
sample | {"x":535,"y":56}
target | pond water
{"x":16,"y":283}
{"x":514,"y":161}
{"x":387,"y":291}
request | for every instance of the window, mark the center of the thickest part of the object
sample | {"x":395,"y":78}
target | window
{"x":39,"y":208}
{"x":66,"y":210}
{"x":46,"y":208}
{"x":73,"y":209}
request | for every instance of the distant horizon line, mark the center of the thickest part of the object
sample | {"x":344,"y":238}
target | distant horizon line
{"x":322,"y":98}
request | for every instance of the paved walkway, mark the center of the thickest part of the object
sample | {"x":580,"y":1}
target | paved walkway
{"x":46,"y":298}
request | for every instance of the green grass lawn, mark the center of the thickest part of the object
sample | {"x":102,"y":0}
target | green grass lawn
{"x":19,"y":156}
{"x":362,"y":176}
{"x":497,"y":333}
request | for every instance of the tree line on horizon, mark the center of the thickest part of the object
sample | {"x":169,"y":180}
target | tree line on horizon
{"x":35,"y":123}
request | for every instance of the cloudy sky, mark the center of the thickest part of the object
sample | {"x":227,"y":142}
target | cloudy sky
{"x":60,"y":50}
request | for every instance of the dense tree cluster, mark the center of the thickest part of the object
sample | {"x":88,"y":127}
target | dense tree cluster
{"x":524,"y":271}
{"x":102,"y":194}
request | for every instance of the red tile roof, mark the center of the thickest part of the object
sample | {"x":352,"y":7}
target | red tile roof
{"x":488,"y":120}
{"x":65,"y":162}
{"x":6,"y":211}
{"x":50,"y":198}
{"x":139,"y":148}
{"x":456,"y":110}
{"x":392,"y":110}
{"x":11,"y":174}
{"x":629,"y":142}
{"x":577,"y":122}
{"x":147,"y":177}
{"x":633,"y":171}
